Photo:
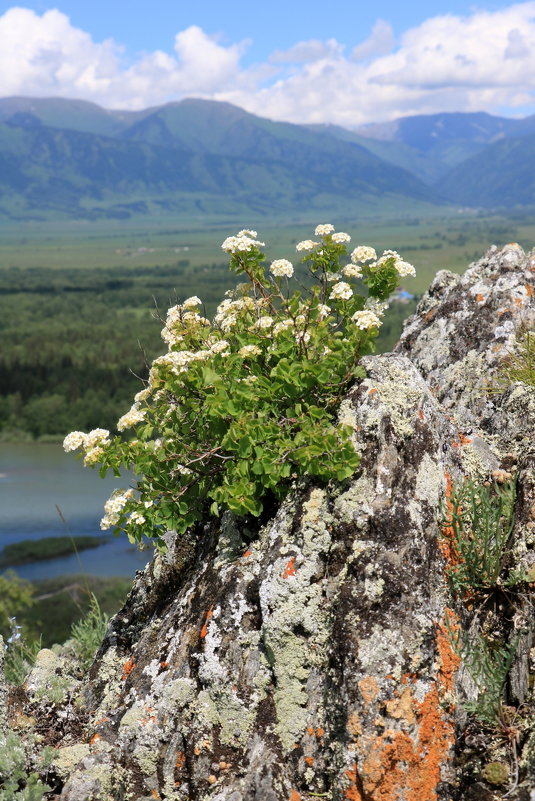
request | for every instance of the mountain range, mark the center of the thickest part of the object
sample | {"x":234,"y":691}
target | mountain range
{"x":198,"y":157}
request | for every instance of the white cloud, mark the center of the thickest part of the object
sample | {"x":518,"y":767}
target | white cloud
{"x":479,"y":62}
{"x":312,"y":50}
{"x":380,"y":41}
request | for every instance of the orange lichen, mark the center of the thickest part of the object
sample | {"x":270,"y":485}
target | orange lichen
{"x":309,"y":760}
{"x":464,"y":440}
{"x":310,"y":731}
{"x":295,"y":796}
{"x":95,"y":738}
{"x":518,"y":301}
{"x":247,"y":553}
{"x":180,"y":760}
{"x":128,"y":667}
{"x":352,"y":792}
{"x":372,"y":391}
{"x":421,"y":414}
{"x":530,"y":290}
{"x":289,"y":569}
{"x":204,"y":630}
{"x":155,"y":794}
{"x":164,"y":665}
{"x":448,"y":660}
{"x":401,"y":707}
{"x":480,"y":298}
{"x":100,"y":721}
{"x":369,"y":689}
{"x":320,"y":732}
{"x":398,"y":764}
{"x":354,"y":725}
{"x":406,"y":763}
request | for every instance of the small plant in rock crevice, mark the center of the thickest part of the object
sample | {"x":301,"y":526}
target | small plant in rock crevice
{"x":243,"y":404}
{"x":88,"y":633}
{"x":477,"y":527}
{"x":519,"y":365}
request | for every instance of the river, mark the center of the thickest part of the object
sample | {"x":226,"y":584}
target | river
{"x":37,"y":479}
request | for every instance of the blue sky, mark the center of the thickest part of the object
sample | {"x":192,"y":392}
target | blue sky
{"x":343,"y":62}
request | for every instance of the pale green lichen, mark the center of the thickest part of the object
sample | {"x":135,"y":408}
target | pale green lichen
{"x":374,"y":585}
{"x":179,"y":692}
{"x":230,"y":542}
{"x":68,"y":756}
{"x":478,"y":461}
{"x":139,"y":725}
{"x":224,"y":710}
{"x":354,"y":505}
{"x":49,"y":678}
{"x":110,"y":677}
{"x":380,"y":654}
{"x":394,"y":394}
{"x":429,"y":483}
{"x":289,"y":598}
{"x":433,"y":345}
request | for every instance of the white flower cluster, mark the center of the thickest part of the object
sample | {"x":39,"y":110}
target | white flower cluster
{"x":192,"y":303}
{"x":282,"y":267}
{"x":250,"y":350}
{"x":366,"y":319}
{"x":131,"y":418}
{"x":363,"y":253}
{"x":244,"y":242}
{"x":302,"y":337}
{"x":403,"y":267}
{"x":180,"y":319}
{"x":306,"y":244}
{"x":231,"y":308}
{"x":73,"y":441}
{"x":323,"y":230}
{"x":114,"y":506}
{"x":378,"y":307}
{"x":284,"y":325}
{"x":93,"y":456}
{"x":98,"y":438}
{"x":352,"y":271}
{"x":219,"y":346}
{"x":341,"y":238}
{"x":264,"y":322}
{"x":179,"y":361}
{"x":341,"y":291}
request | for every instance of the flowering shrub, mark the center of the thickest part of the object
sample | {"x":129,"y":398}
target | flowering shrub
{"x":241,"y":405}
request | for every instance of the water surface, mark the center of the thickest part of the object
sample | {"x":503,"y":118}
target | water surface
{"x":40,"y":484}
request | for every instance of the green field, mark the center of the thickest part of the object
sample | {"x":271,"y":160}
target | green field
{"x":431,"y":243}
{"x":80,"y":301}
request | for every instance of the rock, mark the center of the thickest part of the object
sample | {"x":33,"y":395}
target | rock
{"x":312,"y":654}
{"x":50,"y":679}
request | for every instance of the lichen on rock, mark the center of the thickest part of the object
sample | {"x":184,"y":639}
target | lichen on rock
{"x":310,"y":656}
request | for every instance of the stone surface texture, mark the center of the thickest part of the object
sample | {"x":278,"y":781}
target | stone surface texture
{"x":310,"y":656}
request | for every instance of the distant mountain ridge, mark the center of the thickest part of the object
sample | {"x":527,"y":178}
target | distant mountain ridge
{"x":195,"y":156}
{"x":76,"y":159}
{"x":438,"y":144}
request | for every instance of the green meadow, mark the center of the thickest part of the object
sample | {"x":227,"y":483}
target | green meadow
{"x":80,"y":301}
